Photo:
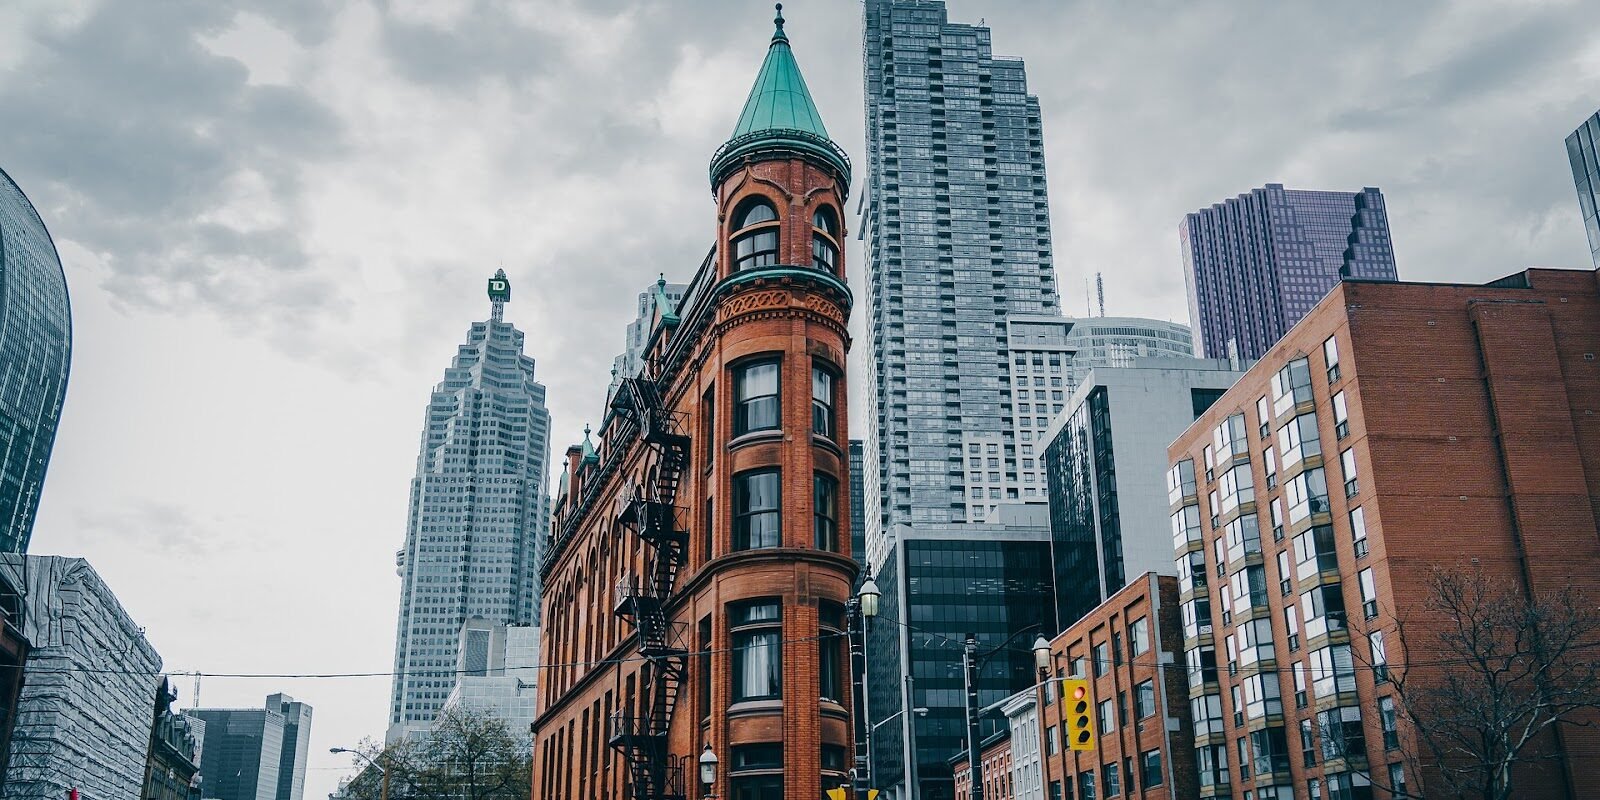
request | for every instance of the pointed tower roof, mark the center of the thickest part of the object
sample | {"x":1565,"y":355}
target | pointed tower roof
{"x":779,"y":115}
{"x":589,"y":453}
{"x":779,"y":99}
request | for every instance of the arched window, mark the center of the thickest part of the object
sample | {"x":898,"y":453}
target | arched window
{"x":755,"y":236}
{"x":825,"y":240}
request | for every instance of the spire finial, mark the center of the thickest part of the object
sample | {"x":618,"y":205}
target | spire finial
{"x":662,"y":281}
{"x":779,"y":35}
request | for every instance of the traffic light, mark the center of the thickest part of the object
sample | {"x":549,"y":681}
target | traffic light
{"x":1080,"y":713}
{"x":837,"y":794}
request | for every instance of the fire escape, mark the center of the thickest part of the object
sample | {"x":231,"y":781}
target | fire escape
{"x":650,"y":511}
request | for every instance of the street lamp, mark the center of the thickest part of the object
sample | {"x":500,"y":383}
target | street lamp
{"x":1041,"y":653}
{"x":865,"y":603}
{"x":383,"y":774}
{"x":869,"y":594}
{"x":708,"y":770}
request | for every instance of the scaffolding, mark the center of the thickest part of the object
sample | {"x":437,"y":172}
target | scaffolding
{"x":84,"y":715}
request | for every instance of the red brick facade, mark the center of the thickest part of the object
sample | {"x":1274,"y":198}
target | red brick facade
{"x":1454,"y":424}
{"x":1127,"y":647}
{"x":790,"y":313}
{"x":995,"y":755}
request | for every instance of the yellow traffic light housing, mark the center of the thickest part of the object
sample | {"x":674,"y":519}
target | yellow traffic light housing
{"x":1080,"y":713}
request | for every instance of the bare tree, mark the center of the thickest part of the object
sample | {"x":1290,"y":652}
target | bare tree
{"x":1490,"y":675}
{"x":467,"y":756}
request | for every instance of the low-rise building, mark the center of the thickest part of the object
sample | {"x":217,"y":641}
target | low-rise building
{"x":172,"y":766}
{"x":994,"y":759}
{"x":1127,"y":649}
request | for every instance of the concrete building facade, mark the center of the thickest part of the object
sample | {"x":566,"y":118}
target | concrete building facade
{"x":497,"y":674}
{"x":956,"y":224}
{"x":1399,"y":428}
{"x":1258,"y":262}
{"x":1104,"y":459}
{"x":697,"y":578}
{"x":83,"y":719}
{"x":479,"y":513}
{"x":1127,"y":648}
{"x":1050,"y":355}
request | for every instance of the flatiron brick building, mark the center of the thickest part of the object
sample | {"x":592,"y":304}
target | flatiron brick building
{"x":1398,"y":428}
{"x":700,"y":562}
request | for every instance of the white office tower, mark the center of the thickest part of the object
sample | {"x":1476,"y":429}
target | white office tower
{"x":479,"y":513}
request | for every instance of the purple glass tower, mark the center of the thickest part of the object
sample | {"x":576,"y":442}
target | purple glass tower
{"x":1257,"y":263}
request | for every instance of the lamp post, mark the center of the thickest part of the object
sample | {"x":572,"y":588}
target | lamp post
{"x":971,"y":662}
{"x":864,"y":606}
{"x":1042,"y":659}
{"x":708,"y":771}
{"x":383,"y":774}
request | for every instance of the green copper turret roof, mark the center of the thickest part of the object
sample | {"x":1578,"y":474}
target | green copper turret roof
{"x":779,"y":114}
{"x":589,"y":453}
{"x":779,"y":99}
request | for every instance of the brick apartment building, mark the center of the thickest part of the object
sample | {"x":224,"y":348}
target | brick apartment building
{"x":700,"y":562}
{"x":994,"y":754}
{"x":1397,"y":429}
{"x":1128,"y":647}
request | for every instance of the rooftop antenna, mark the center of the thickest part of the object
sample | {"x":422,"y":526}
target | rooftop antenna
{"x":499,"y":295}
{"x":1100,"y":292}
{"x":1087,"y":310}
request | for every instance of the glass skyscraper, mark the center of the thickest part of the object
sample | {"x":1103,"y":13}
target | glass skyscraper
{"x":1583,"y":150}
{"x":479,"y":513}
{"x":957,"y":232}
{"x":35,"y":351}
{"x":255,"y":753}
{"x":991,"y":580}
{"x":1258,"y":262}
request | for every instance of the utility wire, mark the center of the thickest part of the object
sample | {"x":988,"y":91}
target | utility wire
{"x":639,"y":659}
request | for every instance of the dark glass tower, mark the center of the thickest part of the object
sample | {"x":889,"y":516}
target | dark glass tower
{"x":1258,"y":262}
{"x":35,"y":351}
{"x":479,"y":512}
{"x":1583,"y":150}
{"x":993,"y":581}
{"x":957,"y":233}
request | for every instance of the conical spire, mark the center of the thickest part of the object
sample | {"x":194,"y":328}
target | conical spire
{"x":779,"y":112}
{"x":779,"y":99}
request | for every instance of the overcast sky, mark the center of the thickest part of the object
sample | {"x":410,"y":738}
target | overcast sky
{"x":277,"y":219}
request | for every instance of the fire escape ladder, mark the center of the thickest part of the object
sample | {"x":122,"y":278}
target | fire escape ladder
{"x":650,"y":510}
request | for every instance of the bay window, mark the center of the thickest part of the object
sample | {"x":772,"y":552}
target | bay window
{"x":757,"y":634}
{"x":755,"y":397}
{"x":757,"y":520}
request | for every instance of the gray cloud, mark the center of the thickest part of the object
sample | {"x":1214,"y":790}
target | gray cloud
{"x":339,"y":193}
{"x":135,"y":136}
